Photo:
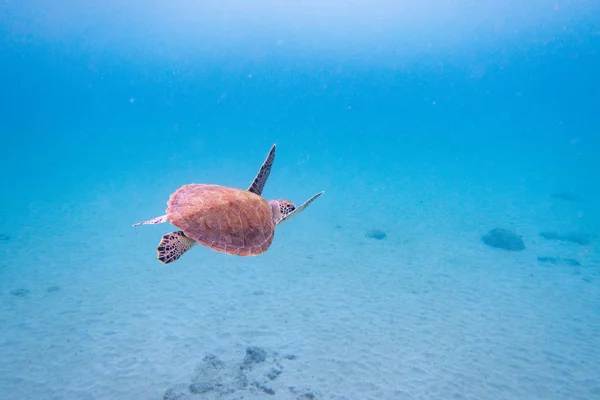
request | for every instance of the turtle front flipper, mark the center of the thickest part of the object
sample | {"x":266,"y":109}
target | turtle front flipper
{"x":173,"y":245}
{"x":261,"y":178}
{"x":288,"y":212}
{"x":157,"y":220}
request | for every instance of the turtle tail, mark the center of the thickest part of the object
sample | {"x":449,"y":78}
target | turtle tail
{"x":173,"y":245}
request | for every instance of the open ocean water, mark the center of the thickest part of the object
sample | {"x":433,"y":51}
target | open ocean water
{"x":453,"y":255}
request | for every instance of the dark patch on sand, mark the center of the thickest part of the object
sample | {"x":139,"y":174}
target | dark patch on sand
{"x":566,"y":196}
{"x":377,"y":234}
{"x":574,"y":237}
{"x":255,"y":374}
{"x":558,"y":260}
{"x":21,"y":292}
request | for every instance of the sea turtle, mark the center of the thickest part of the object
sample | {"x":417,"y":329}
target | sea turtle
{"x":226,"y":219}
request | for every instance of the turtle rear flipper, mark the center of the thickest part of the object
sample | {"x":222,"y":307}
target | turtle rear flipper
{"x":157,"y":220}
{"x":173,"y":245}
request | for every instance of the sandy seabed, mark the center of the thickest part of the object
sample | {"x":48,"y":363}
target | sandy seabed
{"x":429,"y":312}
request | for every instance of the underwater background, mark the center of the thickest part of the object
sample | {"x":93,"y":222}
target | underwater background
{"x":454,"y":254}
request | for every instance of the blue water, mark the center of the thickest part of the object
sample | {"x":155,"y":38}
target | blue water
{"x":433,"y":122}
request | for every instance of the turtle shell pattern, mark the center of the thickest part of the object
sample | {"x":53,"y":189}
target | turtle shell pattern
{"x":229,"y":220}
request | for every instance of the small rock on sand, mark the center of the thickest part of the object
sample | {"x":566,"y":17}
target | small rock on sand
{"x":503,"y":239}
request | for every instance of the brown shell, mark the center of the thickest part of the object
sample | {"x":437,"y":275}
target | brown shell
{"x":225,"y":219}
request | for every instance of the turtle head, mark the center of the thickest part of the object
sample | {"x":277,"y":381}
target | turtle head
{"x":281,"y":209}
